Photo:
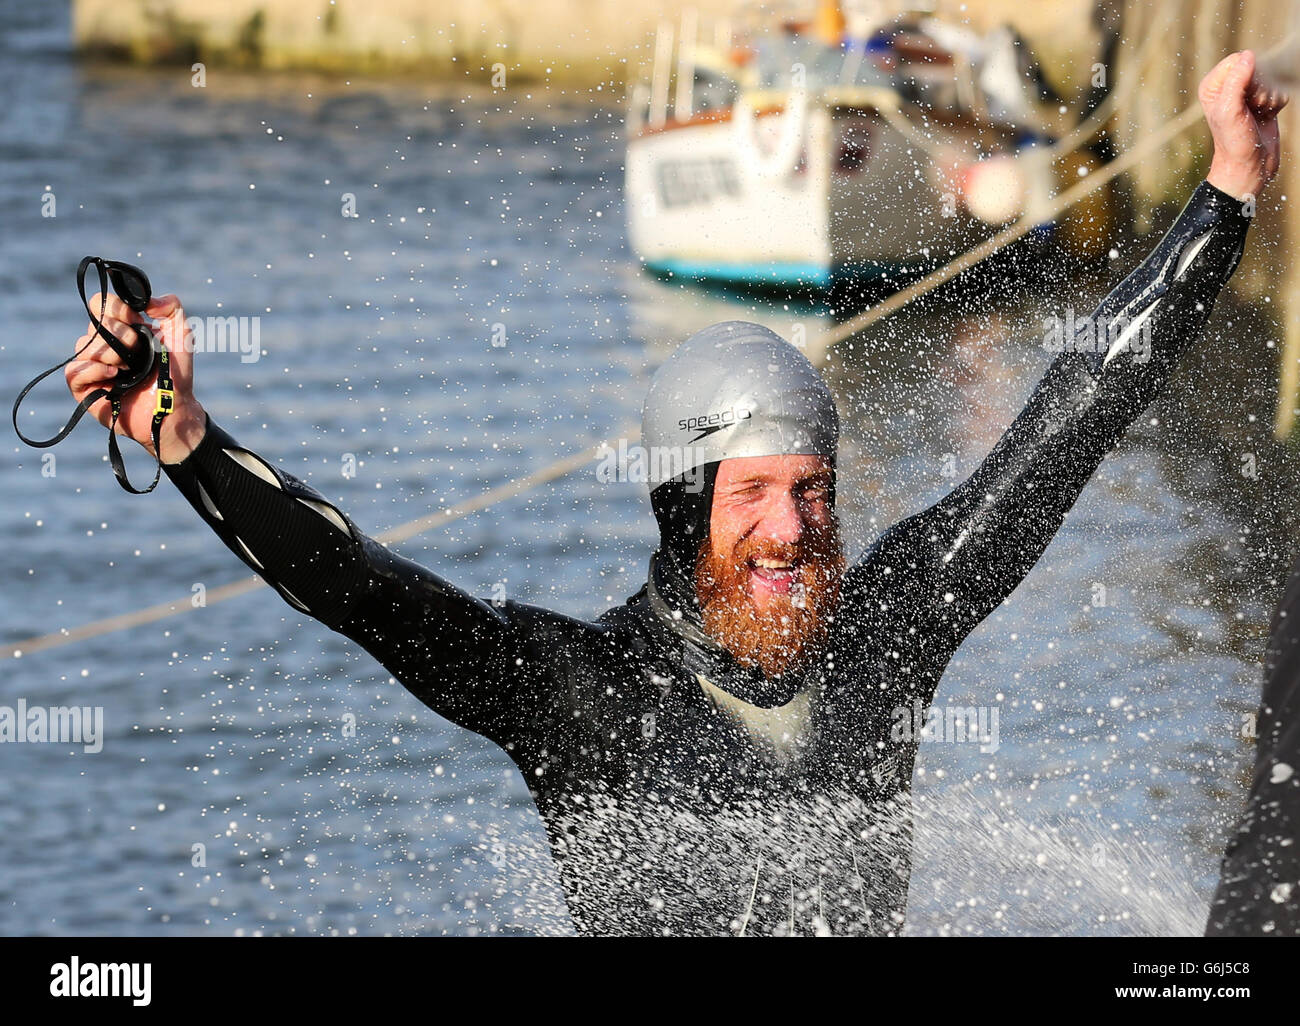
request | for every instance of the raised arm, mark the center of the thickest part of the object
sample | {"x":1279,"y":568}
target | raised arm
{"x":959,"y":559}
{"x":474,"y":662}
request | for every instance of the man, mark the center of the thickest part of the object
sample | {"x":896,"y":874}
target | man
{"x":1259,"y":887}
{"x":716,"y":755}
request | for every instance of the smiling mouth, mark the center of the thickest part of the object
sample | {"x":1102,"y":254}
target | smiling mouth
{"x":776,"y":573}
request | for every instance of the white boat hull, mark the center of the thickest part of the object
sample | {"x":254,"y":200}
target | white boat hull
{"x":857,"y":200}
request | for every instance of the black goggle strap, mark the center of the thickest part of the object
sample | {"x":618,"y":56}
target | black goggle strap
{"x":139,"y":364}
{"x":166,"y":399}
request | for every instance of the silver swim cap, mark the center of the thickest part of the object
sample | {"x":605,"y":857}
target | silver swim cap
{"x":735,"y":389}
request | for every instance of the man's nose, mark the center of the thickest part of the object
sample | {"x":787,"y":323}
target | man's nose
{"x":782,"y":521}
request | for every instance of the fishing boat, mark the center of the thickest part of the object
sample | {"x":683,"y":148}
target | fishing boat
{"x":798,"y":151}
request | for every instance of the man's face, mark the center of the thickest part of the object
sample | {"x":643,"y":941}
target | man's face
{"x":768,"y":576}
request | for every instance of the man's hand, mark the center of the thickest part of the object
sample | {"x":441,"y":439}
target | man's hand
{"x":1241,"y":110}
{"x":183,"y":428}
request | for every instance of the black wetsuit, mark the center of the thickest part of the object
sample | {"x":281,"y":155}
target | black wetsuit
{"x":1259,"y":888}
{"x":672,"y":805}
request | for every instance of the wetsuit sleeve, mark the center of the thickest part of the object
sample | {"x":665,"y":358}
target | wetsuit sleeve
{"x":1259,"y":888}
{"x":950,"y":566}
{"x":457,"y":653}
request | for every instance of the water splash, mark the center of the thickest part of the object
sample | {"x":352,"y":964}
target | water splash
{"x":985,"y":866}
{"x":829,"y":865}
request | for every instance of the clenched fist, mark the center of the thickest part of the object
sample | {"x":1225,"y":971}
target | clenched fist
{"x":1241,"y":110}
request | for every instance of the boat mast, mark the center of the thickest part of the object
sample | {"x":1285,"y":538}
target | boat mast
{"x":683,"y":105}
{"x":660,"y":73}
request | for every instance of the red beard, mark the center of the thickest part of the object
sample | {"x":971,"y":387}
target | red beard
{"x":792,"y":630}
